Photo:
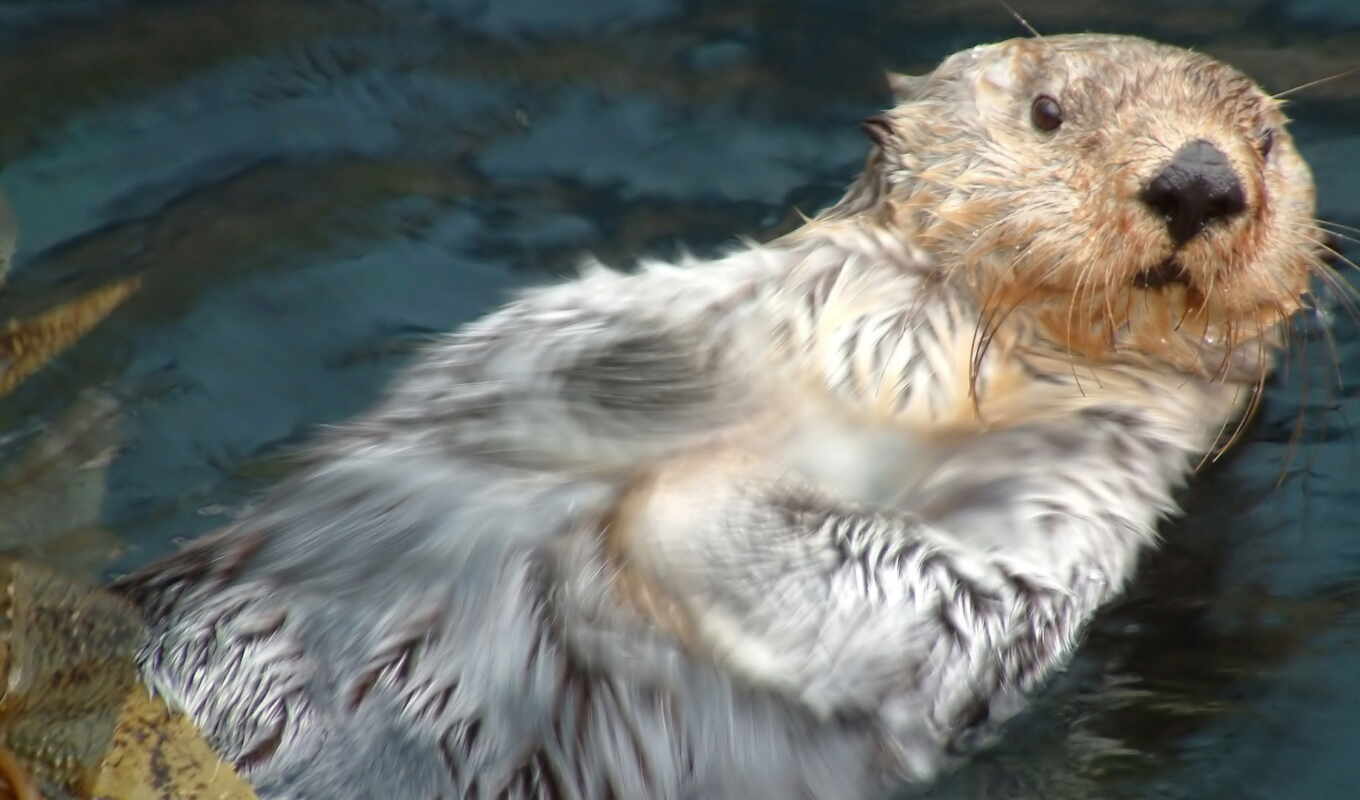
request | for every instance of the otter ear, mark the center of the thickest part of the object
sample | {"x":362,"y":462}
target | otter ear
{"x":878,"y":128}
{"x":904,"y":87}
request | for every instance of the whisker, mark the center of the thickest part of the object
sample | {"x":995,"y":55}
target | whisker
{"x":1071,"y":312}
{"x":977,"y":351}
{"x":1110,"y":315}
{"x":1330,"y":339}
{"x":990,"y":323}
{"x":1327,"y":240}
{"x":1257,"y":391}
{"x":1296,"y":434}
{"x":1338,"y":225}
{"x":1283,"y":324}
{"x":1344,"y":293}
{"x":1229,"y":344}
{"x":1212,"y":452}
{"x":1337,"y":256}
{"x":1312,"y":83}
{"x":1024,"y":22}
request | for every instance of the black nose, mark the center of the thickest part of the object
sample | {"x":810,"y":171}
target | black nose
{"x":1195,"y":188}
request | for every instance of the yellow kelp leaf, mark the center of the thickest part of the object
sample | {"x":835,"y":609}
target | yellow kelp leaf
{"x":74,"y":720}
{"x":27,"y":344}
{"x":158,"y":754}
{"x":66,"y":653}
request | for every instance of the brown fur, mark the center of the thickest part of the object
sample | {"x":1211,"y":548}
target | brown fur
{"x":1050,"y":228}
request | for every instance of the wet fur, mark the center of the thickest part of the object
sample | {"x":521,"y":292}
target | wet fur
{"x":808,"y":520}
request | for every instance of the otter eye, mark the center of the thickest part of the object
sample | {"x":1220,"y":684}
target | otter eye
{"x":1045,"y":113}
{"x":1265,"y":142}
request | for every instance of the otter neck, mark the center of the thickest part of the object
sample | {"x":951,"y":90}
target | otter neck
{"x":910,"y":341}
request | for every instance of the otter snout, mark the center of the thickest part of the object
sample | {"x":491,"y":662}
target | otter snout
{"x":1196,"y":187}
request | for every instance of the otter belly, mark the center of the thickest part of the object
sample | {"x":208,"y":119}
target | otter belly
{"x":687,"y":511}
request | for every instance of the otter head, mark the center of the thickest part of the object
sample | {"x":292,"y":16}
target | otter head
{"x":1131,"y":200}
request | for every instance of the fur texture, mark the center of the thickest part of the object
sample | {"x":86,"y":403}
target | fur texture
{"x":805,"y":521}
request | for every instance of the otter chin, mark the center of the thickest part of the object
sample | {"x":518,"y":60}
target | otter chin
{"x":810,"y":519}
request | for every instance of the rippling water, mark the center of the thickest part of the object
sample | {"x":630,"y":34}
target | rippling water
{"x":237,"y":217}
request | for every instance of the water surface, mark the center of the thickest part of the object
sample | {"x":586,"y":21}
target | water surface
{"x":238,"y":217}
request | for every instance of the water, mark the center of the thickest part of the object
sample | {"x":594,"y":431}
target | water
{"x":238,"y":217}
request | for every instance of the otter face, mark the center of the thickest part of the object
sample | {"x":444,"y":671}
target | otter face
{"x":1137,"y":200}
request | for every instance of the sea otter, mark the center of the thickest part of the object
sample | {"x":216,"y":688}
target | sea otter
{"x":806,"y":520}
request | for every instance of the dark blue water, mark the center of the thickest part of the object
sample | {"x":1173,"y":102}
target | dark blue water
{"x":265,"y":204}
